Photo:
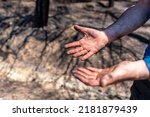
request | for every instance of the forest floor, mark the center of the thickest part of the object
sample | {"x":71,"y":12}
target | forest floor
{"x":34,"y":63}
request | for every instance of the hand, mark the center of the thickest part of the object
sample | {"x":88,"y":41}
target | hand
{"x":90,"y":44}
{"x":102,"y":77}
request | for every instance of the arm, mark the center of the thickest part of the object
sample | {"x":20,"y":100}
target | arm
{"x":103,"y":77}
{"x":93,"y":40}
{"x":130,"y":20}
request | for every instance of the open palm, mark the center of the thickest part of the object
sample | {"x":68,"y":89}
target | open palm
{"x":92,"y":41}
{"x":125,"y":70}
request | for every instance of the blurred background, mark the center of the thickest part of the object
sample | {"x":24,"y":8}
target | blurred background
{"x":33,"y":60}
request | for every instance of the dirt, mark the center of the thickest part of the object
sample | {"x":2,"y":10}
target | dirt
{"x":34,"y":63}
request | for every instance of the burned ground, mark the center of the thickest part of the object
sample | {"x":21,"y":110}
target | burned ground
{"x":34,"y":63}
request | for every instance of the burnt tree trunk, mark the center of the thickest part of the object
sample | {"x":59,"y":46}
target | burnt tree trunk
{"x":111,"y":3}
{"x":41,"y":13}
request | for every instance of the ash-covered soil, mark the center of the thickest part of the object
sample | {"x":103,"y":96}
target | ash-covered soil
{"x":34,"y":63}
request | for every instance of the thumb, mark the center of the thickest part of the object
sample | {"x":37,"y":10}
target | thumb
{"x":109,"y":79}
{"x":105,"y":81}
{"x":114,"y":77}
{"x":80,"y":28}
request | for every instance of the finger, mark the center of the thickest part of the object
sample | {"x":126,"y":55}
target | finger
{"x":90,"y":82}
{"x":82,"y":78}
{"x":88,"y":55}
{"x":81,"y":28}
{"x":81,"y":73}
{"x":93,"y":69}
{"x":72,"y":51}
{"x":86,"y":71}
{"x":83,"y":52}
{"x":73,"y":44}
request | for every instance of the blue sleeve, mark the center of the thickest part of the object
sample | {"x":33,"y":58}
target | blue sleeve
{"x":147,"y":57}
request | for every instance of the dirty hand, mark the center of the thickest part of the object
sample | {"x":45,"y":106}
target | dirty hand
{"x":92,"y":41}
{"x":103,"y":77}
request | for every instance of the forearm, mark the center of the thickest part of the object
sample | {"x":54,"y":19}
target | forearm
{"x":129,"y":21}
{"x":126,"y":71}
{"x":140,"y":70}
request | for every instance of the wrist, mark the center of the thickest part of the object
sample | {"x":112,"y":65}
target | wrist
{"x":126,"y":70}
{"x":142,"y":70}
{"x":111,"y":35}
{"x":103,"y":40}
